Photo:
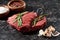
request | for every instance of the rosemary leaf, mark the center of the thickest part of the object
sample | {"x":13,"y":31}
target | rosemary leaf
{"x":19,"y":22}
{"x":38,"y":18}
{"x":34,"y":22}
{"x":41,"y":16}
{"x":18,"y":18}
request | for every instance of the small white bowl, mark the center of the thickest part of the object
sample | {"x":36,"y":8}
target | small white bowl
{"x":4,"y":10}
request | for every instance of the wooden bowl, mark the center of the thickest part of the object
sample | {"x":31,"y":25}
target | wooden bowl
{"x":16,"y":5}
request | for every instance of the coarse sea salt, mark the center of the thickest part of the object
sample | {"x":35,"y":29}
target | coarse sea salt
{"x":3,"y":10}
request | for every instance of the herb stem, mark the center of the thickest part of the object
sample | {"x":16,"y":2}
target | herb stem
{"x":38,"y":18}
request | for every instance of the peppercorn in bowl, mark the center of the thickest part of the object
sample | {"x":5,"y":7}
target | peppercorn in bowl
{"x":16,"y":5}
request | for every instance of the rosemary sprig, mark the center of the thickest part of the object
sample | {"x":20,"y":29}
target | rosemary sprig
{"x":41,"y":16}
{"x":35,"y":20}
{"x":19,"y":22}
{"x":38,"y":18}
{"x":19,"y":18}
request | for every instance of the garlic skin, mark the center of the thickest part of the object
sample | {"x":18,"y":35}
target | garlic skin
{"x":56,"y":33}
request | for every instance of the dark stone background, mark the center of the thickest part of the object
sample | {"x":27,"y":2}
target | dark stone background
{"x":51,"y":7}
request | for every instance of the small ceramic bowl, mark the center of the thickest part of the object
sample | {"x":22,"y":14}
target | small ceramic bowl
{"x":4,"y":11}
{"x":17,"y":5}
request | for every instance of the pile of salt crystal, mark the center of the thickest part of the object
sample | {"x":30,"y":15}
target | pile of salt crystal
{"x":3,"y":10}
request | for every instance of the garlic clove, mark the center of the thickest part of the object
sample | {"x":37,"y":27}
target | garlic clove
{"x":49,"y":32}
{"x":40,"y":32}
{"x":51,"y":28}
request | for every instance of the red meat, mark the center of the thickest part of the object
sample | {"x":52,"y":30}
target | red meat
{"x":26,"y":22}
{"x":39,"y":24}
{"x":26,"y":19}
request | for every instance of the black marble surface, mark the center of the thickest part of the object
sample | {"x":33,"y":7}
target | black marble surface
{"x":51,"y":7}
